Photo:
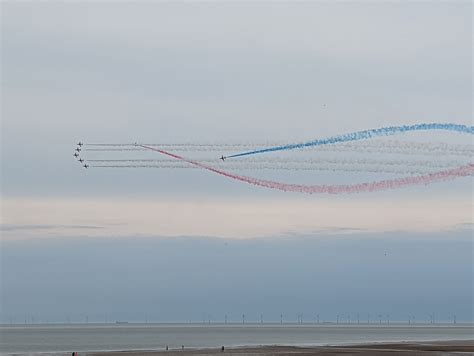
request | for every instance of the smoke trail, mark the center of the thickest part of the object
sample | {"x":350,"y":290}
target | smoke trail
{"x":403,"y":150}
{"x":390,"y":147}
{"x":113,"y":149}
{"x":389,"y":170}
{"x":287,"y":163}
{"x":462,"y":171}
{"x":399,"y":147}
{"x":230,"y":146}
{"x":363,"y":135}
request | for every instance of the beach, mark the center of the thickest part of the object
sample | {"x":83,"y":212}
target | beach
{"x":402,"y":348}
{"x":137,"y":339}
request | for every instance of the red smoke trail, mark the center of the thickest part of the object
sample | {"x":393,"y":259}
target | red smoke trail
{"x":462,"y":171}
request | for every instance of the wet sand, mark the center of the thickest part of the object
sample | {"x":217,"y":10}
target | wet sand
{"x":404,"y":348}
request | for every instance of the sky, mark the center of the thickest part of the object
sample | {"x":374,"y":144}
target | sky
{"x":226,"y":72}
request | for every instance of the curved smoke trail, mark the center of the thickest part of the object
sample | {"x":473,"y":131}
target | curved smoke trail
{"x":463,"y":171}
{"x":363,"y":135}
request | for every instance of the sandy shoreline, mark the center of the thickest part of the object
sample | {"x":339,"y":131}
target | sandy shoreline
{"x":401,"y":348}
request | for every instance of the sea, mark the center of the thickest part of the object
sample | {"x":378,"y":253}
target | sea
{"x":65,"y":338}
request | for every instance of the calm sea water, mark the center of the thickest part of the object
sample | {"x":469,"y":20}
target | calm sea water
{"x":68,"y":338}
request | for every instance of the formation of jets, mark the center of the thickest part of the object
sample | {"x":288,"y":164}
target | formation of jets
{"x":80,"y":160}
{"x":76,"y":154}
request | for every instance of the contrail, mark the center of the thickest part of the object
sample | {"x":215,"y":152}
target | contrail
{"x":363,"y":135}
{"x":463,"y":171}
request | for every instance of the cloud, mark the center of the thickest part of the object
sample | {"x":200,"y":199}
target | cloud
{"x":238,"y":218}
{"x":465,"y":226}
{"x":33,"y":227}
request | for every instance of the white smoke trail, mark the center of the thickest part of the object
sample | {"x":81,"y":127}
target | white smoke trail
{"x":386,"y":146}
{"x":282,"y":163}
{"x":331,"y":168}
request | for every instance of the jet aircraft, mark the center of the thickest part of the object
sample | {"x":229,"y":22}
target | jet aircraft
{"x":75,"y":155}
{"x":223,"y":158}
{"x":86,"y":166}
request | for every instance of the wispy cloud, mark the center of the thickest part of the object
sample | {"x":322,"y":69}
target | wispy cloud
{"x":24,"y":218}
{"x":465,"y":226}
{"x":35,"y":227}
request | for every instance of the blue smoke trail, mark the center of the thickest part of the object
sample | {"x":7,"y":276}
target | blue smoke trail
{"x":363,"y":135}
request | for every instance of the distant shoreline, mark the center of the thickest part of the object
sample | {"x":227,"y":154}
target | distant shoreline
{"x":393,"y":348}
{"x":247,"y":324}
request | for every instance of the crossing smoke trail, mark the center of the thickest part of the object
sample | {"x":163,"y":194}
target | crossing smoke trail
{"x":463,"y":171}
{"x":363,"y":135}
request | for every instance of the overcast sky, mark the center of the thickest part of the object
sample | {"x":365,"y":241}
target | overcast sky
{"x":211,"y":72}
